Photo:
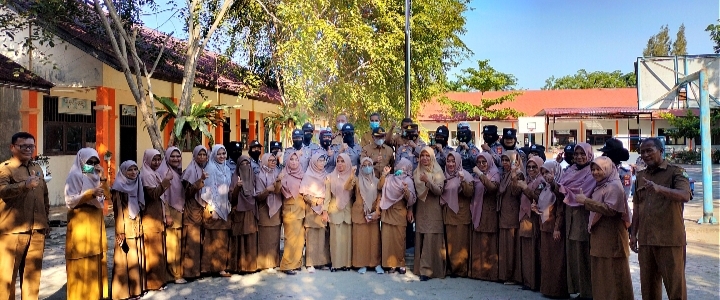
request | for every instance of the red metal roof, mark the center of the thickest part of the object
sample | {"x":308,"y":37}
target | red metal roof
{"x":15,"y":74}
{"x":594,"y":111}
{"x":531,"y":103}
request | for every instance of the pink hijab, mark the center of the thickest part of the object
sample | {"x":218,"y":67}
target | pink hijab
{"x":479,"y":196}
{"x":337,"y":182}
{"x":613,"y":195}
{"x":533,"y":183}
{"x":547,"y":198}
{"x":150,"y":178}
{"x":265,"y":179}
{"x":313,"y":183}
{"x":132,"y":187}
{"x":451,"y":191}
{"x":194,"y":172}
{"x":575,"y":179}
{"x":292,"y":179}
{"x":393,"y":189}
{"x":175,"y":195}
{"x":77,"y":182}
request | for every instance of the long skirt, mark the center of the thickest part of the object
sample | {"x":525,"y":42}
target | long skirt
{"x":155,"y":261}
{"x":430,"y":255}
{"x":611,"y":278}
{"x":484,"y":256}
{"x":458,"y":249}
{"x":128,"y":275}
{"x":215,"y":251}
{"x":244,"y":253}
{"x":191,"y":250}
{"x":316,"y":251}
{"x":578,"y":262}
{"x":366,"y":244}
{"x":393,"y":245}
{"x":506,"y":253}
{"x":87,"y":277}
{"x":553,"y":266}
{"x":173,"y":246}
{"x":294,"y":244}
{"x":528,"y":263}
{"x":268,"y":253}
{"x":341,"y":245}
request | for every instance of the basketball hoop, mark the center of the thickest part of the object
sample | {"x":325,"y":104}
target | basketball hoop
{"x":531,"y":127}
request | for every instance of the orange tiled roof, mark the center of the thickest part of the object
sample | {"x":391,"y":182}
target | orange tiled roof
{"x":531,"y":103}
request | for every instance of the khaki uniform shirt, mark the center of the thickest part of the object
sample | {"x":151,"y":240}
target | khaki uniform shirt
{"x":22,"y":209}
{"x":381,"y":156}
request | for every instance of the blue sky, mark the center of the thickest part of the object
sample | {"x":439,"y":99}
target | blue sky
{"x":534,"y":40}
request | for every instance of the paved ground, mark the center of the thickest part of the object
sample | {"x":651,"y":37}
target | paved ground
{"x":702,"y":272}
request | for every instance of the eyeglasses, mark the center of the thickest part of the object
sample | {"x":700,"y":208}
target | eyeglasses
{"x":25,"y":147}
{"x":93,"y":162}
{"x":532,"y":167}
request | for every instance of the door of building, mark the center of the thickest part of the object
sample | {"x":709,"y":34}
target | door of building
{"x":128,"y":133}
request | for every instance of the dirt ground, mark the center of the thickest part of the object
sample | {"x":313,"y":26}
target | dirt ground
{"x":702,"y":270}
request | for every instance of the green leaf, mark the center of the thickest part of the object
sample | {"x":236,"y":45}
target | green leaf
{"x":179,"y":125}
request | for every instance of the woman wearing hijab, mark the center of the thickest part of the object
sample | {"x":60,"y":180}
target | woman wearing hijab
{"x":174,"y":201}
{"x":193,"y":180}
{"x":293,"y":214}
{"x":267,"y":187}
{"x":608,"y":223}
{"x":456,"y":197}
{"x":430,"y":251}
{"x":509,"y":208}
{"x":553,"y":265}
{"x":244,"y":248}
{"x":576,"y":178}
{"x":315,"y":191}
{"x":86,"y":242}
{"x":216,"y":239}
{"x":484,"y":240}
{"x":528,"y":262}
{"x":398,"y":197}
{"x":154,"y":219}
{"x":128,"y":199}
{"x":366,"y":218}
{"x":339,"y":213}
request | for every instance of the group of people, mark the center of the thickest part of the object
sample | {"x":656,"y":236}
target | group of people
{"x":494,"y":213}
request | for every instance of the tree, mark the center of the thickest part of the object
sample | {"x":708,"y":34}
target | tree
{"x":688,"y":126}
{"x":286,"y":118}
{"x":680,"y":43}
{"x":484,"y":78}
{"x":336,"y":56}
{"x":198,"y":118}
{"x":659,"y":44}
{"x":593,"y":80}
{"x":714,"y":30}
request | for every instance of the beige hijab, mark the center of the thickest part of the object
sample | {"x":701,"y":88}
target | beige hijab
{"x":434,"y":172}
{"x":338,"y":179}
{"x":368,"y":185}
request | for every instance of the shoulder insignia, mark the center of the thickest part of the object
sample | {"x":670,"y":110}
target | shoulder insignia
{"x":685,"y":174}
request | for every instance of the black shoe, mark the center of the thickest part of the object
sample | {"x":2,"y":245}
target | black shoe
{"x":290,"y":272}
{"x":333,"y":270}
{"x":344,"y":269}
{"x":424,"y":278}
{"x":525,"y":288}
{"x":401,"y":270}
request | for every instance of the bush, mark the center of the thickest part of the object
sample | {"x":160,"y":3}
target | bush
{"x":687,"y":157}
{"x":716,"y":156}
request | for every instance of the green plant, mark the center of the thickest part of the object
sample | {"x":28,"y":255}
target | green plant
{"x":687,"y":157}
{"x":202,"y":116}
{"x":716,"y":156}
{"x":287,"y":119}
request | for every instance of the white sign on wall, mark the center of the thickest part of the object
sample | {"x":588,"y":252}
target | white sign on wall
{"x":72,"y":106}
{"x":128,"y":110}
{"x":531,"y":124}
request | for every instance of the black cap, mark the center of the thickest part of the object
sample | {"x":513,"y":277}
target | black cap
{"x":325,"y":132}
{"x":536,"y":149}
{"x":297,"y":133}
{"x":254,"y":143}
{"x":442,"y":131}
{"x":378,"y":132}
{"x":275,"y":145}
{"x":509,"y":133}
{"x":569,"y":148}
{"x":406,"y":120}
{"x":411,"y":127}
{"x":348,"y":128}
{"x":490,"y":129}
{"x":611,"y":144}
{"x":233,"y":146}
{"x":308,"y":127}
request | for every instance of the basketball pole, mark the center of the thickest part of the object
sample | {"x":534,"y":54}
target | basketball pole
{"x":707,"y":217}
{"x":407,"y":58}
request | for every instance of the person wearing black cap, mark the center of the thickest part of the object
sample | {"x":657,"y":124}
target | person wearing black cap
{"x":509,"y":142}
{"x":255,"y":150}
{"x":380,"y":153}
{"x":326,"y":138}
{"x":409,"y":145}
{"x":535,"y":150}
{"x":614,"y":150}
{"x":441,"y":145}
{"x":567,"y":155}
{"x":492,"y":143}
{"x":348,"y":147}
{"x":234,"y":151}
{"x":304,"y":152}
{"x":467,"y":150}
{"x":275,"y":149}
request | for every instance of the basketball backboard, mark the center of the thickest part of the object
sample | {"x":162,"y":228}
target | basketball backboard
{"x":531,"y":124}
{"x":657,"y":78}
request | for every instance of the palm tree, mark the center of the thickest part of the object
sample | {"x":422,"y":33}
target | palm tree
{"x":202,"y":117}
{"x":287,"y":119}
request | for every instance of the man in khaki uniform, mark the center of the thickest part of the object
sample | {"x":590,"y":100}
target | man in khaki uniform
{"x":367,"y":138}
{"x":658,"y":231}
{"x":24,"y":208}
{"x":379,"y":152}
